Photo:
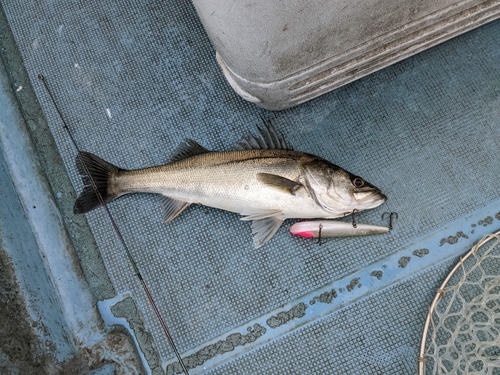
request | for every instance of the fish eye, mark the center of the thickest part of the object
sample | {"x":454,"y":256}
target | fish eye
{"x":358,"y":182}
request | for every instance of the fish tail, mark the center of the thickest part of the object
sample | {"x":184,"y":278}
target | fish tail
{"x":96,"y":174}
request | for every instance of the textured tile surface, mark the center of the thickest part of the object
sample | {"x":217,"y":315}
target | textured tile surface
{"x":134,"y":79}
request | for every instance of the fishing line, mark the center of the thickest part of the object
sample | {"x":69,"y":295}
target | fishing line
{"x":117,"y":230}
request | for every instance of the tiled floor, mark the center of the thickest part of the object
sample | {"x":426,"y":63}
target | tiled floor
{"x":134,"y":80}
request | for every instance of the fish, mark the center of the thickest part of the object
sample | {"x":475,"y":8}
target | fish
{"x":262,"y":178}
{"x":332,"y":228}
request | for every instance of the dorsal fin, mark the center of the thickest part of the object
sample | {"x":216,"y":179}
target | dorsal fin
{"x":187,"y":149}
{"x":268,"y":138}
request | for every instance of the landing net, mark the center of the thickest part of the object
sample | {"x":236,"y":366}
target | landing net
{"x":462,"y":330}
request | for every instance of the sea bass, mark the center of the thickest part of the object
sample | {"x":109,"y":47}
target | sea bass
{"x":263,"y":179}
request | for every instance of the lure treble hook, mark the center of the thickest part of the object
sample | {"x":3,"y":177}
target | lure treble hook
{"x":354,"y":225}
{"x":392,"y":215}
{"x":319,"y":234}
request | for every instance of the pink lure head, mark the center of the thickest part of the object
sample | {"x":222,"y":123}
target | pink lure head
{"x":303,"y":234}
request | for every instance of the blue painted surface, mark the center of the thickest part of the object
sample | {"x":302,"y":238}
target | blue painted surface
{"x":134,"y":80}
{"x":43,"y":312}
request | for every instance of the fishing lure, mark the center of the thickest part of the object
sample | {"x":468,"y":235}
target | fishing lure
{"x":332,"y":228}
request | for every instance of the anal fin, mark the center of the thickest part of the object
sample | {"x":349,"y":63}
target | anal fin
{"x":172,"y":208}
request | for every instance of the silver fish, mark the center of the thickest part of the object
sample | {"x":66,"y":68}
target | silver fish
{"x":263,"y":179}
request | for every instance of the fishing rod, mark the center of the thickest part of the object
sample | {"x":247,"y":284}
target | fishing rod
{"x":117,"y":230}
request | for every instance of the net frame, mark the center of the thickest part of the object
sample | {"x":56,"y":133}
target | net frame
{"x":441,"y":293}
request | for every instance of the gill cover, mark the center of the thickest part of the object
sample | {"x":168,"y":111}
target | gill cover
{"x":333,"y":188}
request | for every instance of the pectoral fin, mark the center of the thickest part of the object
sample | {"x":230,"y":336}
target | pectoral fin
{"x":279,"y":182}
{"x":258,"y":214}
{"x":172,"y":208}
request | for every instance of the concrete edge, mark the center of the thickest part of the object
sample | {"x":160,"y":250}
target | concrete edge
{"x":64,"y":243}
{"x":45,"y":221}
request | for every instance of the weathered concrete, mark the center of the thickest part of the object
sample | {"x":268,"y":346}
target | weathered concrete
{"x":50,"y":322}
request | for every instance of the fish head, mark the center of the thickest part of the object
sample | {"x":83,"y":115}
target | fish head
{"x":339,"y":191}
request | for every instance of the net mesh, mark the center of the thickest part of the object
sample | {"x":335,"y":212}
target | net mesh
{"x":464,"y":331}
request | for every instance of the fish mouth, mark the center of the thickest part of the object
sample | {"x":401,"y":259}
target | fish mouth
{"x":370,"y":199}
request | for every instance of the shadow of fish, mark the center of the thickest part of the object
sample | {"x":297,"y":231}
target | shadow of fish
{"x":263,"y":179}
